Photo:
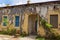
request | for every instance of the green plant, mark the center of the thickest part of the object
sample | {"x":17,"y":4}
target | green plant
{"x":53,"y":37}
{"x":5,"y":21}
{"x":50,"y":32}
{"x":13,"y":32}
{"x":40,"y":38}
{"x":48,"y":25}
{"x":8,"y":32}
{"x":45,"y":23}
{"x":24,"y":34}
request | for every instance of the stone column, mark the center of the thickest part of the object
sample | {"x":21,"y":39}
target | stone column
{"x":25,"y":27}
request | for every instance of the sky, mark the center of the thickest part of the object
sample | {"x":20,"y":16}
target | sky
{"x":18,"y":2}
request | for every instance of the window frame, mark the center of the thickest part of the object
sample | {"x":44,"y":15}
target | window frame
{"x":3,"y":20}
{"x":14,"y":21}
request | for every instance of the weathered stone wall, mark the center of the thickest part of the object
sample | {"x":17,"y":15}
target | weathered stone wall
{"x":23,"y":12}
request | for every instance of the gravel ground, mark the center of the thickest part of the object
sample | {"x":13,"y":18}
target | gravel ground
{"x":7,"y":37}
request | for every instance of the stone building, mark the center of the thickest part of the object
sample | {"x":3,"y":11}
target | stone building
{"x":26,"y":17}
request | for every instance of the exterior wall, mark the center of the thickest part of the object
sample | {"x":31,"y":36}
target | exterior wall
{"x":51,"y":11}
{"x":25,"y":25}
{"x":23,"y":12}
{"x":10,"y":13}
{"x":45,"y":13}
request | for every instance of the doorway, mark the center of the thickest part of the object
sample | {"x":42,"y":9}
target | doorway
{"x":32,"y":24}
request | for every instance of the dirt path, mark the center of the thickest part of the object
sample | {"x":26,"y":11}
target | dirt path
{"x":6,"y":37}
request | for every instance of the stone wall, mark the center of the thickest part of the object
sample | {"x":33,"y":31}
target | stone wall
{"x":23,"y":12}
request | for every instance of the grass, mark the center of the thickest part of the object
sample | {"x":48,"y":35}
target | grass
{"x":40,"y":39}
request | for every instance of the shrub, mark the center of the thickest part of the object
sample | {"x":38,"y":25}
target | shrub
{"x":50,"y":33}
{"x":40,"y":38}
{"x":24,"y":34}
{"x":53,"y":37}
{"x":8,"y":32}
{"x":48,"y":25}
{"x":45,"y":23}
{"x":13,"y":32}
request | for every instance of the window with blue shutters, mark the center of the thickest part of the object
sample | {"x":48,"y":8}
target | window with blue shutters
{"x":16,"y":21}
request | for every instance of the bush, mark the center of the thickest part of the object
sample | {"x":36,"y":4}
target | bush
{"x":48,"y":25}
{"x":53,"y":37}
{"x":13,"y":32}
{"x":3,"y":32}
{"x":40,"y":38}
{"x":8,"y":32}
{"x":50,"y":35}
{"x":24,"y":34}
{"x":45,"y":24}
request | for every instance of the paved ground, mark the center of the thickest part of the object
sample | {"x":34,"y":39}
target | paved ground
{"x":6,"y":37}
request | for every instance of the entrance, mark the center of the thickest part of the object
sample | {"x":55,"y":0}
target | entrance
{"x":32,"y":24}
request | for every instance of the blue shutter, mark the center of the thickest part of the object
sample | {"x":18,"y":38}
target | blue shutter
{"x":16,"y":21}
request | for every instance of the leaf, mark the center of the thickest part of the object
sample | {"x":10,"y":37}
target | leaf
{"x":48,"y":25}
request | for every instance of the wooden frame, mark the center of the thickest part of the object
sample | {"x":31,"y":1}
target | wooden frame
{"x":7,"y":20}
{"x":14,"y":21}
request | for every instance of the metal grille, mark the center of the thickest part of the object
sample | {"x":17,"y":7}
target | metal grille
{"x":54,"y":20}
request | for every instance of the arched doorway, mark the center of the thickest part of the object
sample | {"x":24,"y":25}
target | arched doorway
{"x":32,"y":24}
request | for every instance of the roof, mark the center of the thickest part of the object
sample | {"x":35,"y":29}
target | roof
{"x":33,"y":3}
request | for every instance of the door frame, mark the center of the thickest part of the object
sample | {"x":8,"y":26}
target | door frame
{"x":34,"y":24}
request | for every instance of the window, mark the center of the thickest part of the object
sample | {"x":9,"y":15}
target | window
{"x":54,"y":20}
{"x":5,"y":21}
{"x":16,"y":21}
